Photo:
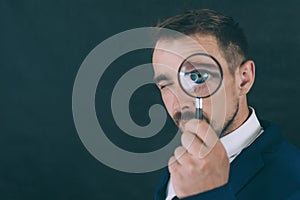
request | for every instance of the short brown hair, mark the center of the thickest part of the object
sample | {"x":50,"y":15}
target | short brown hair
{"x":229,"y":35}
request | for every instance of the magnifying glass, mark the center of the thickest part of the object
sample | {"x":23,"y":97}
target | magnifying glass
{"x":200,"y":76}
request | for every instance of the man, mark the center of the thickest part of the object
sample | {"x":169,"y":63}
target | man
{"x":250,"y":159}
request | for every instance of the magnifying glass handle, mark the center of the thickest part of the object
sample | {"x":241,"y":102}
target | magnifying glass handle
{"x":199,"y":114}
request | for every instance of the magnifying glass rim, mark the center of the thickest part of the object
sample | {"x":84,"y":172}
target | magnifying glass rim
{"x":200,"y":54}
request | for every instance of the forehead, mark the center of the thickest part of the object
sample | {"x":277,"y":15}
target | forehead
{"x":169,"y":53}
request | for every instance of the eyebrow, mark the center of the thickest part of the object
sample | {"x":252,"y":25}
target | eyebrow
{"x":206,"y":66}
{"x":159,"y":78}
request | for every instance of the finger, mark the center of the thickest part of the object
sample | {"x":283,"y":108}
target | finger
{"x":199,"y":127}
{"x":191,"y":143}
{"x":203,"y":130}
{"x":182,"y":156}
{"x":173,"y":165}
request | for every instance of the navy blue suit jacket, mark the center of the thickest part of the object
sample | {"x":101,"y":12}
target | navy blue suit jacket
{"x":268,"y":169}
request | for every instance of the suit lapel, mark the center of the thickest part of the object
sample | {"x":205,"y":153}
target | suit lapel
{"x":244,"y":168}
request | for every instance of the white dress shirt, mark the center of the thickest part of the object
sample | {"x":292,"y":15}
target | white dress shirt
{"x":234,"y":142}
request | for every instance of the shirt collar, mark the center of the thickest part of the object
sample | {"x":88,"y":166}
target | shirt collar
{"x":240,"y":138}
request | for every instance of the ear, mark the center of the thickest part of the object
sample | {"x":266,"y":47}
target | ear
{"x":247,"y":76}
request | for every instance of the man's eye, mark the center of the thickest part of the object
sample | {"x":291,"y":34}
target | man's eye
{"x":162,"y":86}
{"x":198,"y":76}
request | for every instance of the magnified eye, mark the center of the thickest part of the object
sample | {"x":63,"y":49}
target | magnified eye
{"x":198,"y":76}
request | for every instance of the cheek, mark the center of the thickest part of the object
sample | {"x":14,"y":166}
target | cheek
{"x":170,"y":100}
{"x":231,"y":97}
{"x":216,"y":105}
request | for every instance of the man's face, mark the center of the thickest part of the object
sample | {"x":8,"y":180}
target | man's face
{"x":221,"y":109}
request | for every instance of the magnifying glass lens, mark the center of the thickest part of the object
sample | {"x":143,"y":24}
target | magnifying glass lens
{"x":200,"y":76}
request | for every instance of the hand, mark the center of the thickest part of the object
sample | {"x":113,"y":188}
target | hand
{"x":201,"y":163}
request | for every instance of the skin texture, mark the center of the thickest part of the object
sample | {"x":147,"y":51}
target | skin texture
{"x":201,"y":163}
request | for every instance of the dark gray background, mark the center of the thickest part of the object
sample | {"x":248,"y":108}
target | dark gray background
{"x":42,"y":44}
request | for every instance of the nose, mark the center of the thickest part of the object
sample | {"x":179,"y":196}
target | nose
{"x":186,"y":103}
{"x":185,"y":107}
